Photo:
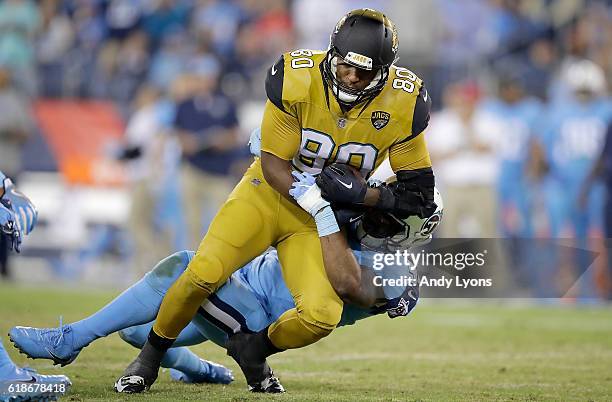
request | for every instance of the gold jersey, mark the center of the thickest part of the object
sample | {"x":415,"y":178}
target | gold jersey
{"x":304,"y":123}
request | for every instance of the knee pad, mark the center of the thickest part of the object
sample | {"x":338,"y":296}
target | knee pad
{"x":320,"y":318}
{"x":206,"y":272}
{"x":317,"y":330}
{"x":297,"y":328}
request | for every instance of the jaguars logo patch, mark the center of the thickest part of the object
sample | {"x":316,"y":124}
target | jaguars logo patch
{"x":380,"y":119}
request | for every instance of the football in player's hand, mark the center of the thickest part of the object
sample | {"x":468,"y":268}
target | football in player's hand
{"x":342,"y":184}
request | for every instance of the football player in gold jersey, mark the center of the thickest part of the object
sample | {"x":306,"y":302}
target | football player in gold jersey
{"x":349,"y":106}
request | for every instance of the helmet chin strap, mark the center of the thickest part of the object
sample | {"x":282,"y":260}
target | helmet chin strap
{"x":337,"y":90}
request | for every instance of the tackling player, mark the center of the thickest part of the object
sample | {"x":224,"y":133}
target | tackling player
{"x":17,"y":218}
{"x":348,"y":105}
{"x":252,"y":298}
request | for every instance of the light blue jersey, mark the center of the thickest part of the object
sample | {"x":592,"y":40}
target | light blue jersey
{"x":573,"y":136}
{"x":515,"y":124}
{"x":255,"y":296}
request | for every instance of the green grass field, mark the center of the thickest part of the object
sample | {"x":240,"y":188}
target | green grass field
{"x":483,"y":351}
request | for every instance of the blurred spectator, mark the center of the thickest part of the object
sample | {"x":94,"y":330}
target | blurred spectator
{"x":15,"y":127}
{"x":19,"y":22}
{"x":221,"y":19}
{"x":128,"y":70}
{"x":80,"y":63}
{"x":275,"y":27}
{"x":540,"y":67}
{"x":16,"y":124}
{"x":54,"y":41}
{"x":207,"y":127}
{"x":464,"y":40}
{"x":572,"y":137}
{"x":168,"y":62}
{"x":513,"y":28}
{"x":259,"y":42}
{"x":146,"y":145}
{"x":461,"y":146}
{"x":122,"y":17}
{"x":512,"y":117}
{"x":243,"y":73}
{"x":165,"y":16}
{"x":201,"y":59}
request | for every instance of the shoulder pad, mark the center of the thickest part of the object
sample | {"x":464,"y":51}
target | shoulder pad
{"x":422,"y":107}
{"x":274,"y":83}
{"x":289,"y":80}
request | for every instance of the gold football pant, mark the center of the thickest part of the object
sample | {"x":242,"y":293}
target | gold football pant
{"x":254,"y":217}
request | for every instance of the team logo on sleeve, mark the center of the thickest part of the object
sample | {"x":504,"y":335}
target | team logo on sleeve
{"x":430,"y":224}
{"x":380,"y":119}
{"x":402,"y":308}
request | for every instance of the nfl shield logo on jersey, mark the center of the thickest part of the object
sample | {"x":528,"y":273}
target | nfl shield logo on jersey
{"x":380,"y":119}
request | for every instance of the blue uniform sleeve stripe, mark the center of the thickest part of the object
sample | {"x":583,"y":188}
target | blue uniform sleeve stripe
{"x":226,"y":308}
{"x":215,"y":322}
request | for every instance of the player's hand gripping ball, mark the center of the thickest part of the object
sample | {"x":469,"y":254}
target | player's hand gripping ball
{"x":342,"y":184}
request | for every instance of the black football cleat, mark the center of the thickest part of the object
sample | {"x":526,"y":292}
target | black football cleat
{"x":257,"y":372}
{"x":137,"y":377}
{"x":271,"y":385}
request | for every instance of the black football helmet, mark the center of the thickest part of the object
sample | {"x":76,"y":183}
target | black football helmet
{"x":366,"y":39}
{"x":386,"y":232}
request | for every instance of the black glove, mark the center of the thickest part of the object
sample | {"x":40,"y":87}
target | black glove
{"x":411,"y":194}
{"x":344,"y":216}
{"x":402,"y":305}
{"x":342,"y":184}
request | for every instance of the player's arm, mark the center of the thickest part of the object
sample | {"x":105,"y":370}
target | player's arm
{"x":350,"y":282}
{"x":277,"y":173}
{"x":341,"y":266}
{"x":280,"y":133}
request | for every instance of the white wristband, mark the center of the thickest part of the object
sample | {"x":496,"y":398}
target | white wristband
{"x":326,"y":221}
{"x":312,"y":201}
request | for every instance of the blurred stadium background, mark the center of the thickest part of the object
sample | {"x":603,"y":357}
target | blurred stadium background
{"x":126,"y":123}
{"x":126,"y":120}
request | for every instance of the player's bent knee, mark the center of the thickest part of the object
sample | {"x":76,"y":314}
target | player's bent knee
{"x":321,"y":318}
{"x":167,"y":271}
{"x":136,"y":335}
{"x":173,"y":265}
{"x":206,"y":272}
